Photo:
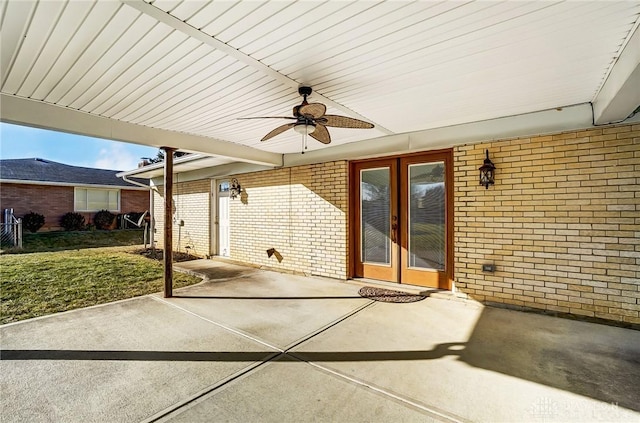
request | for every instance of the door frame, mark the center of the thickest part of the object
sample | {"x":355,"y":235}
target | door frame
{"x":444,"y":155}
{"x":214,"y":238}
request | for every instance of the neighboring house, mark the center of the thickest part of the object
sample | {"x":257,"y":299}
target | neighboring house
{"x":53,"y":189}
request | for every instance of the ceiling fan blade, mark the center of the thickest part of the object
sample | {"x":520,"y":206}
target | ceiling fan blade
{"x":314,"y":110}
{"x":321,"y":134}
{"x":266,"y":117}
{"x":337,"y":121}
{"x":277,"y":131}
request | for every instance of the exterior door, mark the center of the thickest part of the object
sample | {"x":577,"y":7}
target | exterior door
{"x":377,"y":220}
{"x":222,"y":219}
{"x":404,"y":219}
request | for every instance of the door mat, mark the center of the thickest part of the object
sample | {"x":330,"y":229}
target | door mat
{"x":388,"y":295}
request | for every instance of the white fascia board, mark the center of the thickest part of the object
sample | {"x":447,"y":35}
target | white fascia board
{"x":151,"y":169}
{"x":212,"y":172}
{"x":620,"y":94}
{"x":530,"y":124}
{"x":526,"y":125}
{"x":23,"y":111}
{"x":67,"y":184}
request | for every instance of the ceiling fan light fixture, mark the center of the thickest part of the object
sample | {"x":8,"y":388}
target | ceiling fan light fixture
{"x":304,"y":128}
{"x":311,"y":119}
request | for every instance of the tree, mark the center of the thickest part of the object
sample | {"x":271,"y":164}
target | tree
{"x":160,"y":156}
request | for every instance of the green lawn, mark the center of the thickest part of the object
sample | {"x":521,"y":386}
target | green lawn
{"x":37,"y":284}
{"x":63,"y":240}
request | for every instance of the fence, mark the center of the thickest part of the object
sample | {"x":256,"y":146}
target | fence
{"x":11,"y":233}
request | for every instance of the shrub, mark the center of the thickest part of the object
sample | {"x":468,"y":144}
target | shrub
{"x":104,"y":219}
{"x":32,"y":221}
{"x":72,"y":221}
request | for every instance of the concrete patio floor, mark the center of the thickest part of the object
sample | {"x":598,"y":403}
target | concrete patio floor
{"x":251,"y":345}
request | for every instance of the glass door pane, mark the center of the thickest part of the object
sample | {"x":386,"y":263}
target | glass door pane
{"x":427,"y":216}
{"x":375,"y":206}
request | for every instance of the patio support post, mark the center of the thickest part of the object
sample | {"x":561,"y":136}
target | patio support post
{"x":168,"y":221}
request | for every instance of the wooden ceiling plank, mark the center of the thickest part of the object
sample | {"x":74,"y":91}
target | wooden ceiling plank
{"x":138,"y":80}
{"x":232,"y":52}
{"x":108,"y":34}
{"x":42,"y":23}
{"x":56,"y":42}
{"x":145,"y":53}
{"x":179,"y":73}
{"x":114,"y":59}
{"x":16,"y":17}
{"x":180,"y":102}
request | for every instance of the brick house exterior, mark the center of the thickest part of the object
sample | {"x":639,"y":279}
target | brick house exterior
{"x":48,"y":188}
{"x":561,"y":224}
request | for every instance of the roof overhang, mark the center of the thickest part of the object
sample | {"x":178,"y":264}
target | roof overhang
{"x":570,"y":118}
{"x":72,"y":185}
{"x":620,"y":94}
{"x":428,"y":74}
{"x":189,"y":163}
{"x":39,"y":114}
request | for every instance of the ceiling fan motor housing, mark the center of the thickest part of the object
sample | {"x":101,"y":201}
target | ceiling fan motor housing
{"x":304,"y":90}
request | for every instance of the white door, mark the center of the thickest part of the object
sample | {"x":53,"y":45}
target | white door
{"x":224,"y":226}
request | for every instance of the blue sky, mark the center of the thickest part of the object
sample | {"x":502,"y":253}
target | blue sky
{"x":21,"y":142}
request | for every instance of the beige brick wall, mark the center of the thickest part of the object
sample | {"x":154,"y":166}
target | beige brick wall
{"x":299,"y":211}
{"x":192,"y":206}
{"x":562,"y":223}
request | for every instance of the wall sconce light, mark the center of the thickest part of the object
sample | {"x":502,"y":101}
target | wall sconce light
{"x":235,"y":189}
{"x":487,"y":172}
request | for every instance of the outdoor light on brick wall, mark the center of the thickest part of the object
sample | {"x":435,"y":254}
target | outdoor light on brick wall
{"x":235,"y":189}
{"x":487,"y":172}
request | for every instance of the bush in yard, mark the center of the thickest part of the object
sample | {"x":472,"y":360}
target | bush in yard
{"x":72,"y":221}
{"x":104,"y":219}
{"x":32,"y":221}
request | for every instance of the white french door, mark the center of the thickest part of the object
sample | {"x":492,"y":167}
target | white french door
{"x":222,"y":227}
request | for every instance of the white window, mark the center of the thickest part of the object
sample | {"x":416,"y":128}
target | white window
{"x":90,"y":199}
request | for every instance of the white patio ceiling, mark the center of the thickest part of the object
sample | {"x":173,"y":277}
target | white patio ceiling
{"x":180,"y":73}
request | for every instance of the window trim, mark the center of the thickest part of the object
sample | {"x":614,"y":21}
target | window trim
{"x":87,"y":189}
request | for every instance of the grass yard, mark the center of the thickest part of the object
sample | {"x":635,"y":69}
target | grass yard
{"x":37,"y":284}
{"x":63,"y":240}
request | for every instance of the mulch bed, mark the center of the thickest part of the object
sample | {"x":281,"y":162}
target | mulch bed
{"x":388,"y":295}
{"x":157,"y":254}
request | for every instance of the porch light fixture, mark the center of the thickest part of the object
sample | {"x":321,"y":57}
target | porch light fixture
{"x":304,"y":128}
{"x":235,"y":189}
{"x":487,"y":172}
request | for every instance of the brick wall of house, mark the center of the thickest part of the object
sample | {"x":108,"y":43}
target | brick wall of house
{"x":192,"y":206}
{"x":562,"y":223}
{"x":54,"y":201}
{"x":301,"y":212}
{"x":133,"y":201}
{"x":50,"y":201}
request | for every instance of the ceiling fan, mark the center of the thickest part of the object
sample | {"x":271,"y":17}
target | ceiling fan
{"x":310,"y":119}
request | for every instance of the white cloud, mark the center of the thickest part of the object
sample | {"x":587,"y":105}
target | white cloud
{"x":116,"y":157}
